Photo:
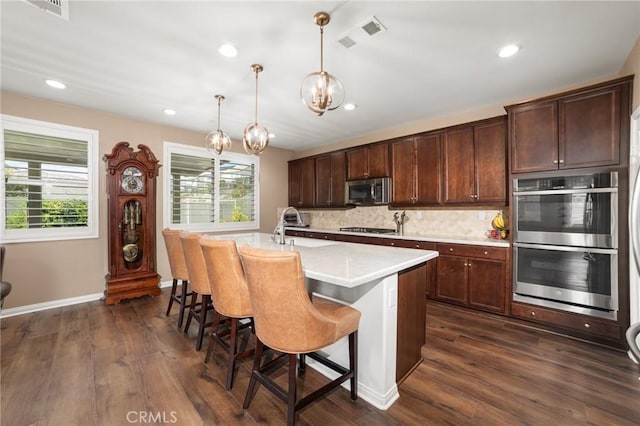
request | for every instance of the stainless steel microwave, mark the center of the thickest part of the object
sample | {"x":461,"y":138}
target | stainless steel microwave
{"x":368,"y":192}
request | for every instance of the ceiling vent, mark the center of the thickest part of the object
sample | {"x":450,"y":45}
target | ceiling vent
{"x":368,"y":28}
{"x":57,"y":7}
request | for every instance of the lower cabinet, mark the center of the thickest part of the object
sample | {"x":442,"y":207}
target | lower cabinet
{"x":473,"y":276}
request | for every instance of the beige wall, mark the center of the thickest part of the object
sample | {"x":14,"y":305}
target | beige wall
{"x":47,"y":271}
{"x":632,"y":66}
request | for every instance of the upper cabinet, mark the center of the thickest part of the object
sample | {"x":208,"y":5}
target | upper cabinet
{"x":416,"y":171}
{"x":301,"y":182}
{"x":330,"y":179}
{"x":582,"y":128}
{"x":474,"y":163}
{"x":369,"y":161}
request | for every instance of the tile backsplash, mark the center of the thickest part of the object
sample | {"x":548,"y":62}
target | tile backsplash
{"x":468,"y":223}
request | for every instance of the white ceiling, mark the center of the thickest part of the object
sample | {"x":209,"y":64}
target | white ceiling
{"x":435,"y":59}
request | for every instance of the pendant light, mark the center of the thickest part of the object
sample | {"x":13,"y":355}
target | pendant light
{"x":255,"y":137}
{"x":321,"y":91}
{"x":218,"y":141}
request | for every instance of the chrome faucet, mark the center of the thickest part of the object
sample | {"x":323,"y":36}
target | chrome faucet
{"x":278,"y":233}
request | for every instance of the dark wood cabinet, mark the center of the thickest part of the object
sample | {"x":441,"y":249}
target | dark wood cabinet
{"x":415,"y":167}
{"x":302,"y":182}
{"x":473,"y":276}
{"x":576,"y":129}
{"x":474,"y":163}
{"x":368,"y":161}
{"x":330,"y":179}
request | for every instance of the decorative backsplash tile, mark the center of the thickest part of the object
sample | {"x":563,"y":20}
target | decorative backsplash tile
{"x":467,"y":223}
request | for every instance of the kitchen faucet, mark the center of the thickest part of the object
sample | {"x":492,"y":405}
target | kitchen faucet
{"x":278,"y":233}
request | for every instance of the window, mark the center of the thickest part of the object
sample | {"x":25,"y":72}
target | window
{"x":204,"y":192}
{"x":50,"y":187}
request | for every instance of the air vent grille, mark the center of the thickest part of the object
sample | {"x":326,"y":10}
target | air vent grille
{"x":368,"y":28}
{"x":57,"y":7}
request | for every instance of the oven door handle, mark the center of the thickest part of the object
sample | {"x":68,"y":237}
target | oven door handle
{"x":566,"y":248}
{"x":567,"y":191}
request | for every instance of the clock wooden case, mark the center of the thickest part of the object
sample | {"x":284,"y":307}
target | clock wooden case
{"x":131,"y":199}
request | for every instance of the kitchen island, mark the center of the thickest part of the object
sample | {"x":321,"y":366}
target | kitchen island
{"x":387,"y":285}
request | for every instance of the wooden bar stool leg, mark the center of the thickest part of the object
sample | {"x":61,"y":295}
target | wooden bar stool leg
{"x":192,"y":309}
{"x":252,"y":382}
{"x":206,"y":300}
{"x":174,"y":287}
{"x":291,"y":395}
{"x":212,"y":338}
{"x":353,"y":363}
{"x":232,"y":352}
{"x":183,"y":301}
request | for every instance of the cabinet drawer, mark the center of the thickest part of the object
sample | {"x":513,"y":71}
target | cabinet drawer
{"x":482,"y":252}
{"x":580,"y":323}
{"x":393,"y":242}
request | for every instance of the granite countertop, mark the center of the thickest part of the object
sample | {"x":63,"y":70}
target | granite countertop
{"x":344,"y":264}
{"x":453,"y":239}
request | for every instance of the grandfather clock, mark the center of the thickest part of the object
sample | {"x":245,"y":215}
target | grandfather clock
{"x":131,"y":196}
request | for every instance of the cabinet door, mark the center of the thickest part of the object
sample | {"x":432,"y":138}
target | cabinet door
{"x":428,"y":169}
{"x":458,"y":157}
{"x":323,"y":181}
{"x":487,"y":284}
{"x":590,"y":129}
{"x":301,"y":182}
{"x":451,"y":282}
{"x":337,"y":178}
{"x":491,"y":162}
{"x":534,"y":137}
{"x":378,"y":160}
{"x":403,"y":168}
{"x":357,"y":163}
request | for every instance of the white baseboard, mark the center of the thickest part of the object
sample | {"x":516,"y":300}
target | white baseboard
{"x":27,"y":309}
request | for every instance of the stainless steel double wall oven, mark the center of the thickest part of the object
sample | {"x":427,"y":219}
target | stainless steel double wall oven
{"x":565,"y":243}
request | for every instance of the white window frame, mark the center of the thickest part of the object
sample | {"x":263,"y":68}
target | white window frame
{"x":27,"y":125}
{"x":178,"y":148}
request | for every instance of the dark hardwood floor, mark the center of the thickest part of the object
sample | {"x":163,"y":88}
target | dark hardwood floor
{"x":92,"y":364}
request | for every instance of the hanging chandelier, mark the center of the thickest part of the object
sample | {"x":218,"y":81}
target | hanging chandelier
{"x":218,"y":141}
{"x":255,"y":137}
{"x":321,"y":91}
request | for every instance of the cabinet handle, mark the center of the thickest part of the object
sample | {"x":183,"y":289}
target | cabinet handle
{"x":561,"y":161}
{"x":469,"y":265}
{"x":471,"y":196}
{"x":587,"y":325}
{"x":555,"y":161}
{"x":533,"y":314}
{"x":393,"y":244}
{"x":451,"y":249}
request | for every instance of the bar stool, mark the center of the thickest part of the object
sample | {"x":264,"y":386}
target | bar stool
{"x":231,"y":295}
{"x":287,"y":321}
{"x":179,"y":271}
{"x":199,"y":285}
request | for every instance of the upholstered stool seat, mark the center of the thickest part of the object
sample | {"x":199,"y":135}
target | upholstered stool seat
{"x":288,"y":321}
{"x":199,"y":285}
{"x":231,"y":295}
{"x":179,"y":271}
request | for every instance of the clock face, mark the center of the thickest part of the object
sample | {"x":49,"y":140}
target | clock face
{"x":132,"y":180}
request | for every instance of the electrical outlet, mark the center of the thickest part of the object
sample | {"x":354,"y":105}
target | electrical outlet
{"x":418,"y":214}
{"x":481,"y":215}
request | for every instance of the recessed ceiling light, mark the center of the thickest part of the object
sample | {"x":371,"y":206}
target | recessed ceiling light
{"x":56,"y":84}
{"x":509,"y":50}
{"x":350,"y":106}
{"x":169,"y":111}
{"x":228,"y":50}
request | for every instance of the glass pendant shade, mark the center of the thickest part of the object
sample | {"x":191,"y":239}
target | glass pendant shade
{"x":321,"y":91}
{"x":255,"y":137}
{"x":218,"y":141}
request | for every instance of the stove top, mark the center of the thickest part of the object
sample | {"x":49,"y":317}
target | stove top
{"x":369,"y":230}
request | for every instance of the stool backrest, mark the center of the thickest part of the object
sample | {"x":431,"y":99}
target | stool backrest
{"x":284,"y":316}
{"x":195,"y":263}
{"x":177,"y":262}
{"x":2,"y":249}
{"x":226,"y":278}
